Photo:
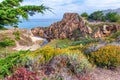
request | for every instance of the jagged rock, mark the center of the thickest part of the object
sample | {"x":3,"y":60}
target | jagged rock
{"x":72,"y":26}
{"x":106,"y":30}
{"x":38,"y":31}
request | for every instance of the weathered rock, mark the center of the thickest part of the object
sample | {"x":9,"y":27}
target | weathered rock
{"x":38,"y":31}
{"x":72,"y":26}
{"x":106,"y":30}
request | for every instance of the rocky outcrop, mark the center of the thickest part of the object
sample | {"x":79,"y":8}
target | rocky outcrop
{"x":38,"y":31}
{"x":105,"y":30}
{"x":72,"y":26}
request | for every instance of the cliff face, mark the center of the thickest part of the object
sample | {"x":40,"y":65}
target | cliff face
{"x":72,"y":26}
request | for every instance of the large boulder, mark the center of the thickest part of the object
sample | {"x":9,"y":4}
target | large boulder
{"x":72,"y":26}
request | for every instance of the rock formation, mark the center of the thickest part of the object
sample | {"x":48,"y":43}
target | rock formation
{"x":72,"y":26}
{"x":105,"y":30}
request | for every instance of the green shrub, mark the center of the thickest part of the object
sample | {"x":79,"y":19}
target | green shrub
{"x":85,"y":15}
{"x":47,"y":53}
{"x":115,"y":35}
{"x":84,"y":42}
{"x":72,"y":60}
{"x":7,"y":42}
{"x":72,"y":64}
{"x":60,"y":43}
{"x":2,"y":28}
{"x":7,"y":63}
{"x":97,"y":15}
{"x":79,"y":62}
{"x":108,"y":57}
{"x":17,"y":35}
{"x":112,"y":17}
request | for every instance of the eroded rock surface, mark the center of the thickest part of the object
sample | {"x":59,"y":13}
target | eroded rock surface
{"x":72,"y":26}
{"x":106,"y":30}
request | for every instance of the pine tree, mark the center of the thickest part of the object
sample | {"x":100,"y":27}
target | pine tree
{"x":11,"y":11}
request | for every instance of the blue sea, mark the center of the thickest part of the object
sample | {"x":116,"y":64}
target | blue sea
{"x":31,"y":23}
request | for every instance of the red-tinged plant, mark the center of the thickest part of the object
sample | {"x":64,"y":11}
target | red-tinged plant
{"x":23,"y":74}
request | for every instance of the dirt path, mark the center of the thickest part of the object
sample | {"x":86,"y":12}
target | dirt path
{"x":104,"y":74}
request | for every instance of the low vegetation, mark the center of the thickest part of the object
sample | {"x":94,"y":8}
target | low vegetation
{"x":100,"y":16}
{"x":115,"y":35}
{"x":7,"y":42}
{"x":84,"y":42}
{"x":60,"y":43}
{"x":26,"y":75}
{"x":17,"y":35}
{"x":70,"y":58}
{"x":42,"y":56}
{"x":107,"y":57}
{"x":7,"y":64}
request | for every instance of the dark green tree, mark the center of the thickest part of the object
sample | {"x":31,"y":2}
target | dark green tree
{"x":112,"y":17}
{"x":11,"y":11}
{"x":97,"y":15}
{"x":84,"y":15}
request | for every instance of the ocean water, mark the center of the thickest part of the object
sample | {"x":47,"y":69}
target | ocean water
{"x":31,"y":23}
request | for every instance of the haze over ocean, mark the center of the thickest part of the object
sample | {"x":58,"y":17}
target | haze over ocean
{"x":31,"y":23}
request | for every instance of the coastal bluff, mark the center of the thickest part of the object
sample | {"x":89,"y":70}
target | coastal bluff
{"x":72,"y":26}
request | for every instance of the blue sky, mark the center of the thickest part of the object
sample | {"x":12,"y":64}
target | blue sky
{"x":59,"y":7}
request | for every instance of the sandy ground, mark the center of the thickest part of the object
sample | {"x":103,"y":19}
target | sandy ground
{"x":104,"y":74}
{"x":31,"y":48}
{"x":34,"y":39}
{"x":34,"y":47}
